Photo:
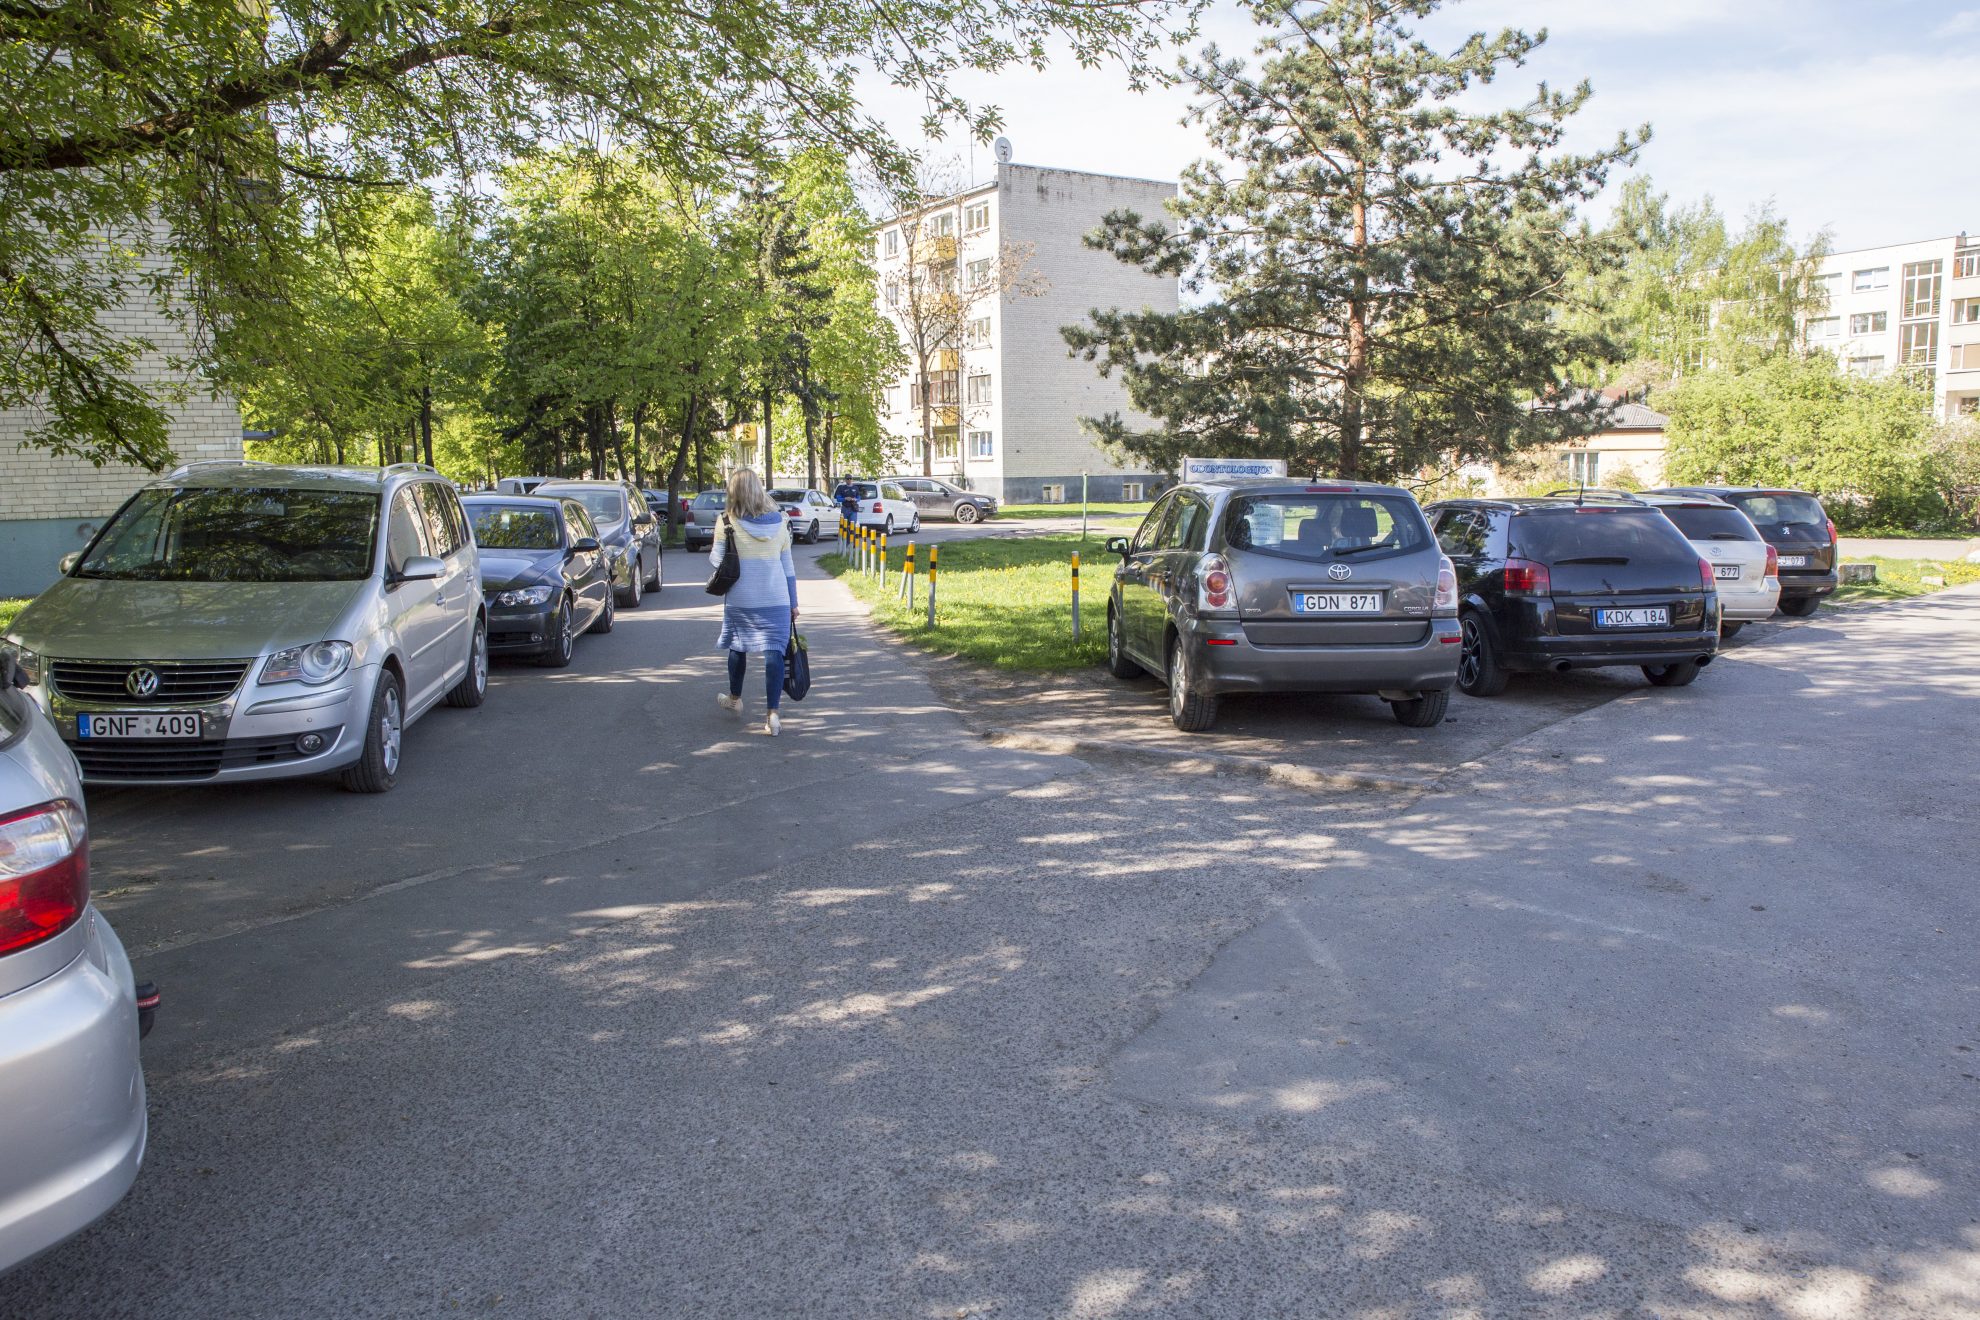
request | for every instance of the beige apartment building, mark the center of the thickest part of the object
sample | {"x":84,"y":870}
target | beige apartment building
{"x":1009,"y":397}
{"x":1910,"y":304}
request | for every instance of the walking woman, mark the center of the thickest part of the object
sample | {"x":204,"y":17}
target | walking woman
{"x":759,"y":610}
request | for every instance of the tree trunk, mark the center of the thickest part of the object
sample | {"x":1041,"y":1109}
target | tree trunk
{"x":769,"y":457}
{"x":927,"y":420}
{"x":426,"y":423}
{"x":810,"y":448}
{"x":825,"y":447}
{"x":639,"y":441}
{"x":688,"y":436}
{"x":612,"y":430}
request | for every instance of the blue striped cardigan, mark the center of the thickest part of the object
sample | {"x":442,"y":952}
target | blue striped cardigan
{"x":756,"y":614}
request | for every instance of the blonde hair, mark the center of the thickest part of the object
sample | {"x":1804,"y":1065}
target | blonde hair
{"x":747,"y":498}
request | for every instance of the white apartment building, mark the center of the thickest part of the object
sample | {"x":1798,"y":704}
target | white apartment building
{"x":1009,"y":397}
{"x":1912,"y":304}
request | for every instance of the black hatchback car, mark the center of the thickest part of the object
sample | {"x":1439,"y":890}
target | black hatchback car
{"x":1560,"y":584}
{"x":544,"y":574}
{"x":1798,"y":527}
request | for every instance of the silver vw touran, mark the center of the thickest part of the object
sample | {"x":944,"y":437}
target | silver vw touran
{"x":1265,"y":585}
{"x":240,"y":620}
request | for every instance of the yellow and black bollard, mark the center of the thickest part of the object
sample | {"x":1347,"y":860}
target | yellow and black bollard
{"x":933,"y":550}
{"x":1075,"y":595}
{"x":907,"y":576}
{"x":883,"y":560}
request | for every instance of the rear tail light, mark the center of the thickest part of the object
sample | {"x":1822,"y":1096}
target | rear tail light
{"x":1446,"y":602}
{"x":1773,"y":562}
{"x":878,"y":507}
{"x":44,"y":873}
{"x":1708,"y":581}
{"x":1215,"y":589}
{"x":1524,"y":577}
{"x":1832,"y":531}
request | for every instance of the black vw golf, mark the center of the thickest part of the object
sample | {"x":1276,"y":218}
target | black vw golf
{"x":1560,"y":584}
{"x":543,"y":573}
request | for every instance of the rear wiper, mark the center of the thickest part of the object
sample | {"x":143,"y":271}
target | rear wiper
{"x":1340,"y":551}
{"x":1596,"y":559}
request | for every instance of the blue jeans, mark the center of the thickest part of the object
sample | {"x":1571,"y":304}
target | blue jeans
{"x":773,"y":675}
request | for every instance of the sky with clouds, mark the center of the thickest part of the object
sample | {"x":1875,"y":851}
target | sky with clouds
{"x":1847,"y":115}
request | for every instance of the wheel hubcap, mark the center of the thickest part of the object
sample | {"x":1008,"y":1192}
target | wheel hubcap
{"x":1178,"y":681}
{"x":564,"y":628}
{"x":480,"y":660}
{"x":388,"y":731}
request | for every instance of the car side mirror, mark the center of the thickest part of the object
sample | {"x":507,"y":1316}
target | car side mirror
{"x":1118,"y":545}
{"x":420,"y":568}
{"x":67,"y":564}
{"x":585,"y":545}
{"x":643,"y":520}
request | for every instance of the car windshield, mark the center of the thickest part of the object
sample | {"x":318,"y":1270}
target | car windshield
{"x":1707,"y":522}
{"x":607,"y":506}
{"x":1782,"y":510}
{"x":514,"y":527}
{"x":1317,"y":526}
{"x":1637,"y":535}
{"x":711,"y":499}
{"x":238,"y":534}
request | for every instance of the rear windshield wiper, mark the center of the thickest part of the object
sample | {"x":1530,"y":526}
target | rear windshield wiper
{"x":1596,"y":559}
{"x":1341,"y":552}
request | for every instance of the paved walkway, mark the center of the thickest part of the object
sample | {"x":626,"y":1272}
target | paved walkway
{"x":1858,"y":547}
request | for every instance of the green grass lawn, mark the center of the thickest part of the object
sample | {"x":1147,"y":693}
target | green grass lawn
{"x":9,"y":607}
{"x":1006,"y":603}
{"x":1898,"y":579}
{"x":1096,"y":512}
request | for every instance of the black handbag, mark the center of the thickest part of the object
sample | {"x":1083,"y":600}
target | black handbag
{"x":797,"y":667}
{"x":730,"y":568}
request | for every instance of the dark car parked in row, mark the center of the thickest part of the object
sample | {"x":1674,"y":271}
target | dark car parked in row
{"x":626,"y":530}
{"x":1560,"y":584}
{"x":1798,"y":527}
{"x":698,"y":532}
{"x":544,"y":574}
{"x":1268,"y":585}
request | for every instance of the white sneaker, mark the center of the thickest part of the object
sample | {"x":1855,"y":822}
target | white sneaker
{"x":727,"y":702}
{"x":771,"y":724}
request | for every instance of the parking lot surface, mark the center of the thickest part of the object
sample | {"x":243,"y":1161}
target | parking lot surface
{"x":1665,"y":1006}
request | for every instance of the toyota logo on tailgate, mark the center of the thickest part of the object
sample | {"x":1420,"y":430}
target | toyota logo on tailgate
{"x":141,"y":682}
{"x":1338,"y":572}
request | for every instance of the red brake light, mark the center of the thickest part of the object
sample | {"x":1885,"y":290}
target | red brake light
{"x":1773,"y":562}
{"x":1330,"y":490}
{"x":44,"y":873}
{"x":1524,"y":577}
{"x":1832,"y":531}
{"x":878,"y":507}
{"x":1707,"y":580}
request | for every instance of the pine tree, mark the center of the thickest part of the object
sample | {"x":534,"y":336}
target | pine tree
{"x":1382,"y":275}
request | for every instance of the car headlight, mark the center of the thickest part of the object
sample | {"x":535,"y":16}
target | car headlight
{"x":308,"y":664}
{"x":26,"y":661}
{"x":523,"y":596}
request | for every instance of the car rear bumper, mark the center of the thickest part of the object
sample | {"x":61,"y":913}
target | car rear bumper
{"x":72,"y":1111}
{"x":1747,"y":606}
{"x":1227,"y":662}
{"x":1599,"y":652}
{"x":1797,"y":584}
{"x":252,"y":735}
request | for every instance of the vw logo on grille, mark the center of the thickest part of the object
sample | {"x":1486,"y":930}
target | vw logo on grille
{"x":1339,"y":572}
{"x":141,"y":682}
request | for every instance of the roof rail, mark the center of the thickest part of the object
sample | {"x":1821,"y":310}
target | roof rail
{"x":412,"y":467}
{"x":184,"y":468}
{"x":1599,"y":492}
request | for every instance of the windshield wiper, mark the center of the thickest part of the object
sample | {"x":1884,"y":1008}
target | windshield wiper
{"x":1596,"y":559}
{"x":1342,"y":552}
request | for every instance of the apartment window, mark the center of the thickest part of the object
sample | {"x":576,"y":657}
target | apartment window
{"x":979,"y":273}
{"x":976,"y":217}
{"x":872,"y":248}
{"x":1969,"y":406}
{"x":1966,"y":357}
{"x":893,"y":242}
{"x":978,"y":333}
{"x":1868,"y":323}
{"x":1921,"y":289}
{"x":945,"y":446}
{"x":979,"y":444}
{"x":1052,"y":493}
{"x":1966,"y":311}
{"x":1582,"y":466}
{"x":1826,"y":285}
{"x":893,"y":292}
{"x":1966,"y":266}
{"x":941,"y":226}
{"x":1877,"y":277}
{"x":1918,"y":342}
{"x":1867,"y":366}
{"x":944,"y":390}
{"x":979,"y":389}
{"x":1824,"y":327}
{"x":1133,"y":492}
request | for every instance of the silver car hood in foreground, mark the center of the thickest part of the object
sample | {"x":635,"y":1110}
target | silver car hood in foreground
{"x":99,"y":619}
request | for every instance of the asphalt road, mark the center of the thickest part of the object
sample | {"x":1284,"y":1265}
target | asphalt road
{"x":1668,"y":1007}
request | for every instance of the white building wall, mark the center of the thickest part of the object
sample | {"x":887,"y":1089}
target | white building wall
{"x":1839,"y":330}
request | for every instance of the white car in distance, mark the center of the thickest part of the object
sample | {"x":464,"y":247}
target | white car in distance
{"x":1745,"y":568}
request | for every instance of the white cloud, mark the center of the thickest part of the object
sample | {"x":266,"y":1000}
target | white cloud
{"x":1615,"y":18}
{"x":1963,"y":24}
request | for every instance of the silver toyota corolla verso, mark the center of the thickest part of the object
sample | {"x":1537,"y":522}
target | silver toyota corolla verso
{"x":240,"y":620}
{"x":1266,"y":585}
{"x":72,"y":1118}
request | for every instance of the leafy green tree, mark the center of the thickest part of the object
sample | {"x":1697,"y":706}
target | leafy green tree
{"x":183,"y":151}
{"x":1384,"y":268}
{"x":1862,"y":444}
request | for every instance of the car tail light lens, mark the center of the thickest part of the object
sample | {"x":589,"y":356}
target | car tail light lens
{"x":1707,"y":580}
{"x":44,"y":873}
{"x":1215,"y":588}
{"x":1773,"y":562}
{"x":1832,"y":530}
{"x":1446,"y":602}
{"x":878,"y":507}
{"x":1524,"y":577}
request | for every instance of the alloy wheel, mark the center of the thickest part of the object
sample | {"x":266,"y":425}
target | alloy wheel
{"x":478,"y":660}
{"x":390,"y":726}
{"x":1178,"y":679}
{"x":1468,"y":653}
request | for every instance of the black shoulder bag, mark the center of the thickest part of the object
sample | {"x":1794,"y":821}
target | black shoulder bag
{"x":730,"y":568}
